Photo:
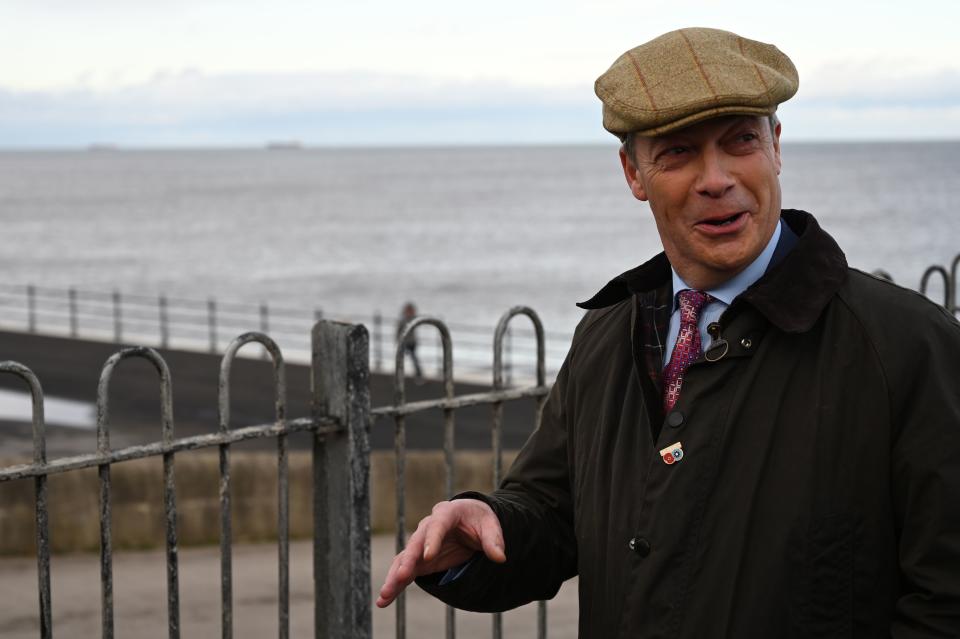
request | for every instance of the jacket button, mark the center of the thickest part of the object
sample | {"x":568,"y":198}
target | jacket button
{"x":640,"y":546}
{"x":746,"y":342}
{"x":675,"y":419}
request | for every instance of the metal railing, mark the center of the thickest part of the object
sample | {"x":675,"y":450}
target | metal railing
{"x":949,"y":280}
{"x":950,"y":283}
{"x":449,"y":404}
{"x":339,"y":424}
{"x":201,"y":324}
{"x":340,"y":421}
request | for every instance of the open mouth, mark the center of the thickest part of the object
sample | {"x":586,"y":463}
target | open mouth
{"x":724,"y":221}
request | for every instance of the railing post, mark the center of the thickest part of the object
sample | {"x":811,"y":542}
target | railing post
{"x":340,"y":379}
{"x":31,"y":308}
{"x":164,"y":322}
{"x":377,"y":341}
{"x":117,"y":318}
{"x":74,"y":329}
{"x":265,"y":325}
{"x":40,"y":493}
{"x":508,"y":363}
{"x":212,"y":323}
{"x":953,"y":283}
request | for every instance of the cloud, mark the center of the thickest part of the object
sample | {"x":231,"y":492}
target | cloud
{"x":191,"y":108}
{"x":882,"y":84}
{"x":191,"y":93}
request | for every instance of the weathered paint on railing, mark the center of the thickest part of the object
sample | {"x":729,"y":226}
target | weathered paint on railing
{"x":498,"y":365}
{"x":341,"y":480}
{"x":40,"y":492}
{"x":400,"y":445}
{"x":340,"y":422}
{"x":341,"y":465}
{"x":169,"y":495}
{"x":283,"y":498}
{"x":448,"y":404}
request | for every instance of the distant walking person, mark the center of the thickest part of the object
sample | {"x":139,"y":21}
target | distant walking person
{"x":410,"y":343}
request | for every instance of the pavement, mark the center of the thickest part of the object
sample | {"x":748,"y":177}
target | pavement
{"x":140,"y":597}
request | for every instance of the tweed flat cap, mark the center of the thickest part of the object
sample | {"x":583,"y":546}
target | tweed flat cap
{"x":690,"y":75}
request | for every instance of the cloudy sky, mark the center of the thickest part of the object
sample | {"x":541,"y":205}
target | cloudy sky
{"x":372,"y":72}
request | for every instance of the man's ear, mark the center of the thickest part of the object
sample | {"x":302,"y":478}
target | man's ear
{"x":631,"y":174}
{"x":776,"y":146}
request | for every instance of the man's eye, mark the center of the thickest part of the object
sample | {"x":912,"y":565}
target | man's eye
{"x":676,"y":150}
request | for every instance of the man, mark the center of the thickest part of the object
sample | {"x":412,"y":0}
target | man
{"x":748,"y":437}
{"x":407,"y":314}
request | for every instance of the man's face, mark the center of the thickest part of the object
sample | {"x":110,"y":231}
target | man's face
{"x":714,"y":191}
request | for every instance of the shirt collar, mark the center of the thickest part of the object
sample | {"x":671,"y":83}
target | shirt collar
{"x":737,"y":284}
{"x":800,"y":281}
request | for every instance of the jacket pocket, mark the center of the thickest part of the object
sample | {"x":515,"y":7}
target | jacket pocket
{"x":826,"y":578}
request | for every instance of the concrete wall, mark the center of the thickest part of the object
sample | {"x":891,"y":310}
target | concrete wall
{"x":138,"y":499}
{"x":425,"y":482}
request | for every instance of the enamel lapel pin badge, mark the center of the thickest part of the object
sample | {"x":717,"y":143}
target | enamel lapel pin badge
{"x":672,"y":453}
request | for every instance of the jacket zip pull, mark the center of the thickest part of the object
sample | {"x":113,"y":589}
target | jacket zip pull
{"x":718,"y":346}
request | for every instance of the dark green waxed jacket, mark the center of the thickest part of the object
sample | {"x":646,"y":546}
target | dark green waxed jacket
{"x":819,"y":491}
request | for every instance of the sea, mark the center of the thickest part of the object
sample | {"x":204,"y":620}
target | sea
{"x":464,"y":233}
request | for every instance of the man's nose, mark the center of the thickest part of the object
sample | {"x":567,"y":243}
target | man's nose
{"x":715,"y":178}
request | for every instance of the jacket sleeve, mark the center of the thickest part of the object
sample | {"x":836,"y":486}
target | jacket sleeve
{"x":535,"y":508}
{"x":925,"y":406}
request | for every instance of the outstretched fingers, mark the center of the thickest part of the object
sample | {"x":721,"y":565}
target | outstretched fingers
{"x":392,"y":585}
{"x":404,"y":568}
{"x":447,"y":538}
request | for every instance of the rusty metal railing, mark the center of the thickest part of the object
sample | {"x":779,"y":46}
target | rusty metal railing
{"x":339,"y":424}
{"x":498,"y":338}
{"x":340,"y":421}
{"x":283,"y":491}
{"x":449,"y":403}
{"x":40,"y":492}
{"x":169,"y":495}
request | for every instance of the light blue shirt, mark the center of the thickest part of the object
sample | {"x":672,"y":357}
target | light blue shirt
{"x":722,"y":295}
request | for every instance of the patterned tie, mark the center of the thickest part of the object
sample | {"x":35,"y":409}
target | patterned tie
{"x":687,"y":348}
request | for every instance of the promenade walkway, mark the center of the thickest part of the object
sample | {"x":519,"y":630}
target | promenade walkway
{"x":140,"y":599}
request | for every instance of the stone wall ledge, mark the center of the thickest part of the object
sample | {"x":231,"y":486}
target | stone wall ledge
{"x":137,"y":502}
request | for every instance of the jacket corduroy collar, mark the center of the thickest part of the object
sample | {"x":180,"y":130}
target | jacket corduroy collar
{"x":791,"y":294}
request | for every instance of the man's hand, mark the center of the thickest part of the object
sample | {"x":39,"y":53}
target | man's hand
{"x":447,"y":538}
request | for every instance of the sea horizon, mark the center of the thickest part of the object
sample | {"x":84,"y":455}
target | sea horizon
{"x":466,"y":232}
{"x":297,"y":145}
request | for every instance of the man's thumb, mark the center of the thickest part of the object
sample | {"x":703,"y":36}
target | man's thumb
{"x":491,"y":539}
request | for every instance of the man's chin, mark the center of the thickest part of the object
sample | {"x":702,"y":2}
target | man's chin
{"x":728,"y":266}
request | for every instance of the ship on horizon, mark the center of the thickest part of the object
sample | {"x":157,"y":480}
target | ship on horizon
{"x":284,"y":145}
